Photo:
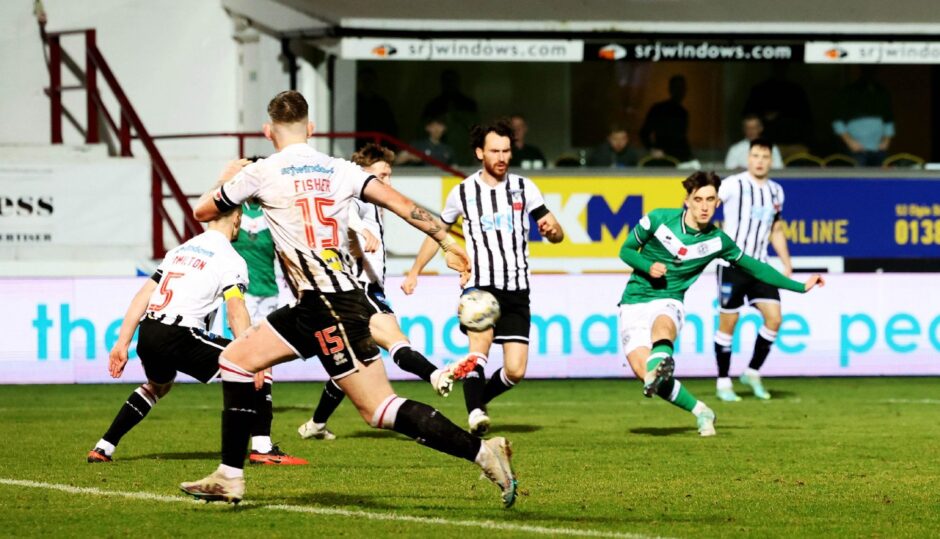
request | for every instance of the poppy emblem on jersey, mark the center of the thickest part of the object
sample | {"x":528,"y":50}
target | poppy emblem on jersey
{"x":612,"y":52}
{"x":384,"y":51}
{"x":682,"y":251}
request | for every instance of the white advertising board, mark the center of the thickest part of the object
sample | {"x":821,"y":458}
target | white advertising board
{"x":60,"y":330}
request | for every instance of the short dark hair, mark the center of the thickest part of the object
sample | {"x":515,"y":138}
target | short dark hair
{"x":288,"y":107}
{"x":701,"y":179}
{"x":752,"y":116}
{"x":478,"y":133}
{"x":763,"y":143}
{"x":371,"y":154}
{"x":616,"y":127}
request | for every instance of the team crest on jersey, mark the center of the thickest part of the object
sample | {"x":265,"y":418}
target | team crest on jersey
{"x":339,"y":358}
{"x":516,"y":195}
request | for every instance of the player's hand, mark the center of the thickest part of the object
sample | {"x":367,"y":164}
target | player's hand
{"x":117,"y":360}
{"x":814,"y":280}
{"x":457,"y":258}
{"x":231,"y":169}
{"x":547,"y":229}
{"x":409,"y":284}
{"x":259,"y":378}
{"x":787,"y":270}
{"x":657,"y":270}
{"x":464,"y":278}
{"x":372,"y":243}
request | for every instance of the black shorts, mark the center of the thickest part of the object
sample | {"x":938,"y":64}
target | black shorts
{"x":515,"y":318}
{"x":375,"y":297}
{"x":331,"y":326}
{"x":165,"y":350}
{"x":734,"y":286}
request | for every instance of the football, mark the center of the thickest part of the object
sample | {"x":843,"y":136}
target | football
{"x":478,"y":309}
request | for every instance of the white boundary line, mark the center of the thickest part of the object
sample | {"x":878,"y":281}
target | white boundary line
{"x":481,"y":524}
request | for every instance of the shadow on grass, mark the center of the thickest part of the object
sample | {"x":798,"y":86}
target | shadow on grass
{"x":325,"y":500}
{"x":192,"y":455}
{"x":662,"y":431}
{"x":289,"y":408}
{"x":516,"y":428}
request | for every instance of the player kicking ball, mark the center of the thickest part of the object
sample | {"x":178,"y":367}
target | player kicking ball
{"x":668,"y":250}
{"x":367,"y":244}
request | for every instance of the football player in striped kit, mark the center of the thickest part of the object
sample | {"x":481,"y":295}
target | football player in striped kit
{"x":305,"y":197}
{"x":367,"y":245}
{"x":173,"y":309}
{"x":753,"y":205}
{"x":495,"y":206}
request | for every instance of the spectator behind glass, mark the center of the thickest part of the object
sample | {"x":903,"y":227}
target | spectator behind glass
{"x":433,"y":146}
{"x":373,"y":113}
{"x":753,"y":127}
{"x":459,"y":114}
{"x":665,"y":130}
{"x":524,"y":154}
{"x":615,"y":151}
{"x":864,"y":120}
{"x":784,"y":108}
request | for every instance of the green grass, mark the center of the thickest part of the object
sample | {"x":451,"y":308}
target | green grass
{"x":825,"y":458}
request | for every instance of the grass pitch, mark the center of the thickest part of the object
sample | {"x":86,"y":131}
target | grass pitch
{"x":824,"y":458}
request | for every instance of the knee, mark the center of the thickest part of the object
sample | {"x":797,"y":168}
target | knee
{"x":159,"y":390}
{"x":383,"y":415}
{"x":773,"y":322}
{"x":514,"y":374}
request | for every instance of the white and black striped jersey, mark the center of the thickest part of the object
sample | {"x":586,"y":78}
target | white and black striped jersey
{"x":751,"y":209}
{"x":496,"y":227}
{"x":305,"y":198}
{"x":370,"y":267}
{"x":192,"y":279}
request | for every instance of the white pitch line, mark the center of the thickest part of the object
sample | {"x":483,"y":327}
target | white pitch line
{"x":439,"y":521}
{"x":910,"y":401}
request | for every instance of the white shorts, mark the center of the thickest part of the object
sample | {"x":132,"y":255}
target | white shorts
{"x":636,"y":321}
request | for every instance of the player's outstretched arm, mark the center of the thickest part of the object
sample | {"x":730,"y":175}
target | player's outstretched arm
{"x":117,"y":359}
{"x":550,"y":228}
{"x":425,"y":254}
{"x":387,"y":197}
{"x":766,"y":273}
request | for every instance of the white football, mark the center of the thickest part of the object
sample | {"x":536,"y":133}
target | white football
{"x":478,"y":309}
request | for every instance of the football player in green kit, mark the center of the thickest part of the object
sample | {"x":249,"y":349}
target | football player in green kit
{"x":668,"y":250}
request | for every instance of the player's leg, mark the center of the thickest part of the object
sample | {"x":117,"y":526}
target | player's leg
{"x":387,"y":333}
{"x":731,"y":292}
{"x":512,"y":331}
{"x":134,"y":410}
{"x":330,"y":399}
{"x":766,"y":336}
{"x":368,"y":388}
{"x":259,"y":348}
{"x":156,"y":345}
{"x":474,"y":381}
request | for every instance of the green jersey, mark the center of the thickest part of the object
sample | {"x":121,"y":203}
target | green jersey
{"x":663,"y":236}
{"x":256,"y":245}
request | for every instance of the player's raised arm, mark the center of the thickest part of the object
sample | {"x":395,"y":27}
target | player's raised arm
{"x":135,"y":311}
{"x":767,"y":273}
{"x":387,"y":197}
{"x":217,"y":200}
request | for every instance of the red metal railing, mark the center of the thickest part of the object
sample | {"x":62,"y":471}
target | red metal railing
{"x":128,"y":122}
{"x":375,"y":136}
